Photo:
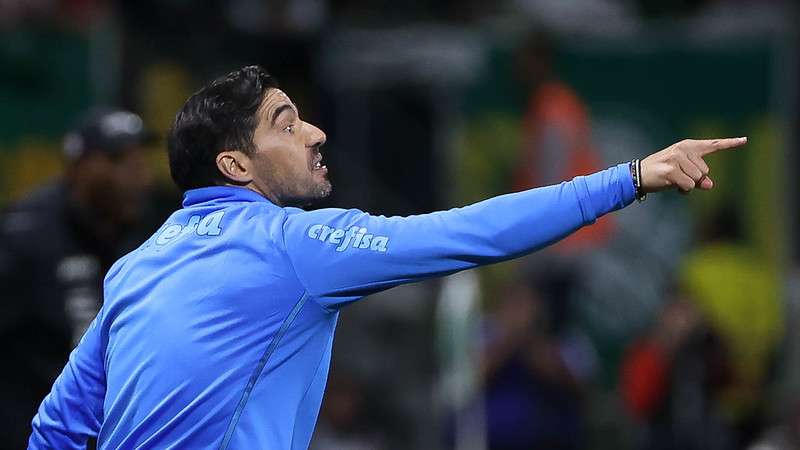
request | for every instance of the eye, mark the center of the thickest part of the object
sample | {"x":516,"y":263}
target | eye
{"x":289,"y":129}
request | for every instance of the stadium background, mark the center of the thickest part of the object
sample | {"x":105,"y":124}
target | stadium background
{"x":429,"y":105}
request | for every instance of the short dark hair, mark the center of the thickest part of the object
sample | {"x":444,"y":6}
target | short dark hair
{"x":220,"y":116}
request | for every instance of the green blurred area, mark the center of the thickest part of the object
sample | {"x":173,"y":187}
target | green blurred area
{"x":671,"y":89}
{"x":668,"y":89}
{"x":44,"y":82}
{"x":44,"y":86}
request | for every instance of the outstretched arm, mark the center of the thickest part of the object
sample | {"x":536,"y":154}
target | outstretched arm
{"x":343,"y":255}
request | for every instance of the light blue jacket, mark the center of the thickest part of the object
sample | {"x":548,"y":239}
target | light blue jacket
{"x":217,"y":331}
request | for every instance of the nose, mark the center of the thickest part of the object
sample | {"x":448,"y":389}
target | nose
{"x":315,"y":136}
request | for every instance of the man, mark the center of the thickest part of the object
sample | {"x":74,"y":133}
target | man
{"x":217,"y":331}
{"x":55,"y":248}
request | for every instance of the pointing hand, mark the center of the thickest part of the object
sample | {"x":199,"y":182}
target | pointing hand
{"x":681,"y":165}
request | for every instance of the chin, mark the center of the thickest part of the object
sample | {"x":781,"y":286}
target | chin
{"x":316,"y":194}
{"x":324,"y":190}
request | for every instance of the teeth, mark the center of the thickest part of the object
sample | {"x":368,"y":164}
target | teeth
{"x":317,"y":160}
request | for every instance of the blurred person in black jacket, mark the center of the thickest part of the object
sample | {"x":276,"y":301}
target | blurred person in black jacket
{"x":56,"y":245}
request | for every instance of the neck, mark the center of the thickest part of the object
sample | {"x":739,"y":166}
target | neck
{"x":263,"y":191}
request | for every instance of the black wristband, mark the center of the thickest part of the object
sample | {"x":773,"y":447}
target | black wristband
{"x":636,"y":174}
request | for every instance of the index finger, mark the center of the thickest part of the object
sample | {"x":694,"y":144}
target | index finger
{"x":708,"y":146}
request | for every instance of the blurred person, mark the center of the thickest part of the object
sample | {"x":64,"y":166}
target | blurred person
{"x":672,"y":378}
{"x":217,"y":331}
{"x":535,"y":369}
{"x":736,"y":294}
{"x":56,"y":245}
{"x":556,"y":135}
{"x":738,"y":291}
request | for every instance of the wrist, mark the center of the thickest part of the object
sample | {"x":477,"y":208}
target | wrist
{"x":636,"y":174}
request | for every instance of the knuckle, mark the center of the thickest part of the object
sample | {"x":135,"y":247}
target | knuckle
{"x":673,"y":153}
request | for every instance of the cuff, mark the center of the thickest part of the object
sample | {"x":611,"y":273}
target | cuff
{"x":604,"y":191}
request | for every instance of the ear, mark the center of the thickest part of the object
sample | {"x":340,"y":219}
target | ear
{"x":235,"y":166}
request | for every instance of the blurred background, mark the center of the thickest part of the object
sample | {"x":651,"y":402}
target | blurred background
{"x":669,"y":325}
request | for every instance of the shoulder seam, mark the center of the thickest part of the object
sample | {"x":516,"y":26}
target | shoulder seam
{"x":291,"y":263}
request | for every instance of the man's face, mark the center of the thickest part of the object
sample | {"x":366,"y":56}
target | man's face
{"x":287,"y":163}
{"x":119,"y":183}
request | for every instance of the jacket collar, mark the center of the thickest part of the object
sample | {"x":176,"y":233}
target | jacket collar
{"x":221,"y":194}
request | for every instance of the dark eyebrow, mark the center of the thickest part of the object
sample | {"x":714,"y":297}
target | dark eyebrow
{"x":279,"y":110}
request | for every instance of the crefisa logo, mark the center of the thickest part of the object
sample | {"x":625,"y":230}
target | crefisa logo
{"x":354,"y":237}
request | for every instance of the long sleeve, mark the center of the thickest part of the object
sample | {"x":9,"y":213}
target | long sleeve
{"x":73,"y":411}
{"x":343,"y":255}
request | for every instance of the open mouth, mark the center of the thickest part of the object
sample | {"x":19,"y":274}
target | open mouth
{"x":316,"y":162}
